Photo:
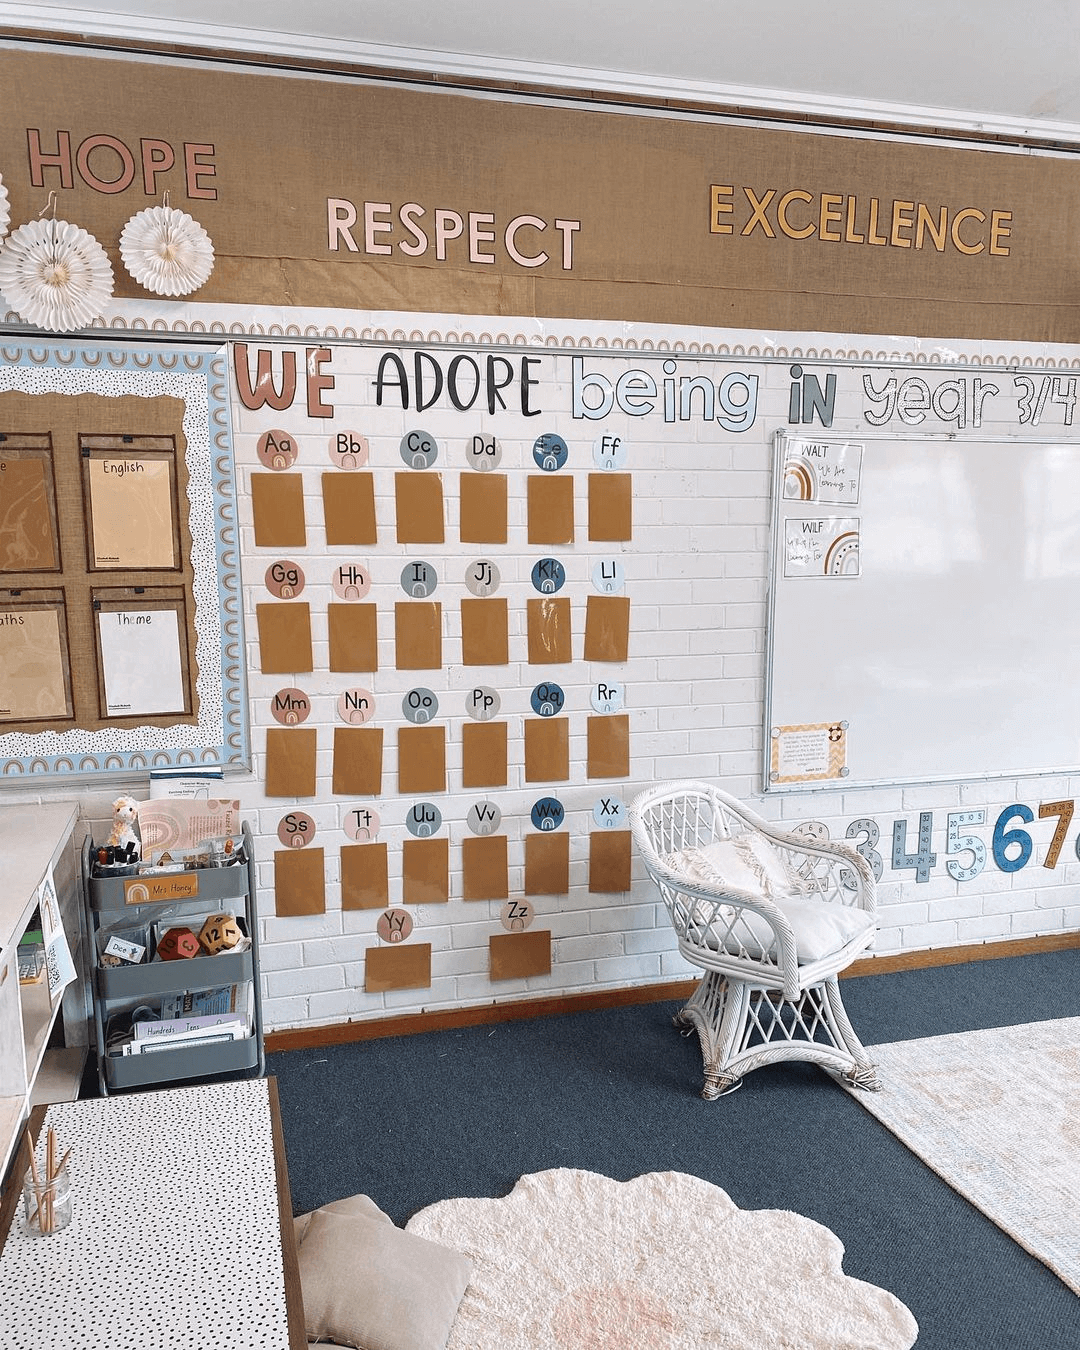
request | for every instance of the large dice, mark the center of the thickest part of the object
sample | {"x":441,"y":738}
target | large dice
{"x":178,"y":944}
{"x":219,"y":933}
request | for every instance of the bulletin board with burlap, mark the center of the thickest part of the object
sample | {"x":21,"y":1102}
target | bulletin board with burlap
{"x":359,"y":195}
{"x":119,"y":614}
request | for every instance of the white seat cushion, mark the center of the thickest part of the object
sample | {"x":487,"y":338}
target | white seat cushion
{"x":820,"y":929}
{"x":746,"y":862}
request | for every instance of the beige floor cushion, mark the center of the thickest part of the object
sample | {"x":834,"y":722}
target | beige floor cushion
{"x":367,"y":1283}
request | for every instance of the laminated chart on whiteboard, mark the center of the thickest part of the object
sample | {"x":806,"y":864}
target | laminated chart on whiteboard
{"x":919,"y":607}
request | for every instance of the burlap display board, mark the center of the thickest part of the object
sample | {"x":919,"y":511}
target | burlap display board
{"x":553,"y":211}
{"x":76,"y":426}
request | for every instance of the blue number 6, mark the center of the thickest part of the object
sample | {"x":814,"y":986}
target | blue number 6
{"x":1004,"y":839}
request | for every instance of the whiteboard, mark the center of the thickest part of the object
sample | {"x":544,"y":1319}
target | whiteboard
{"x":922,"y":620}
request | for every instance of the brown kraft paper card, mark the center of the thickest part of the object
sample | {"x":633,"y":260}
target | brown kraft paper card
{"x":609,"y":861}
{"x":353,"y":635}
{"x":483,"y":754}
{"x":284,"y":638}
{"x":349,"y":508}
{"x":299,"y":882}
{"x":425,"y":871}
{"x":485,"y":639}
{"x":607,"y":627}
{"x":515,"y":956}
{"x":547,"y":864}
{"x":483,"y":508}
{"x":610,"y":506}
{"x":418,"y":634}
{"x":550,"y":509}
{"x":549,"y":630}
{"x":277,"y":505}
{"x":364,"y":876}
{"x":290,"y":761}
{"x":421,"y":759}
{"x":485,"y":871}
{"x":357,"y":768}
{"x":419,"y":504}
{"x":608,"y":754}
{"x":406,"y":965}
{"x":547,"y":750}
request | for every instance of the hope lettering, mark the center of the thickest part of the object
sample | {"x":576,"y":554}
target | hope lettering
{"x":106,"y":164}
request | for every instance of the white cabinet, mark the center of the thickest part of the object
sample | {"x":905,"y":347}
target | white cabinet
{"x":37,"y":842}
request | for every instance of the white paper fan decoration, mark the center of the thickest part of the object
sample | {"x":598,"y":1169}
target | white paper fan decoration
{"x":5,"y":208}
{"x":166,"y":251}
{"x":55,"y":275}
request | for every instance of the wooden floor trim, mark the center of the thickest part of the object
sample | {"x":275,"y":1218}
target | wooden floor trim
{"x":955,"y":956}
{"x":407,"y":1024}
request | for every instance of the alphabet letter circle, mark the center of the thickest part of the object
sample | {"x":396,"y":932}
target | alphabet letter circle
{"x":276,"y":450}
{"x":284,"y":579}
{"x":418,"y":449}
{"x":517,"y":915}
{"x":394,"y":925}
{"x":290,"y":707}
{"x":296,"y":829}
{"x":348,"y":450}
{"x":550,"y":451}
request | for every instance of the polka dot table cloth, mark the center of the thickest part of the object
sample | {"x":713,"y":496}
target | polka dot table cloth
{"x":175,"y":1241}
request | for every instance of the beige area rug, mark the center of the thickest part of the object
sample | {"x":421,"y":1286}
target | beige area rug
{"x":571,"y":1260}
{"x":996,"y":1114}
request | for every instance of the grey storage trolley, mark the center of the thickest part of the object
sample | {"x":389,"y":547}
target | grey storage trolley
{"x":133,"y":904}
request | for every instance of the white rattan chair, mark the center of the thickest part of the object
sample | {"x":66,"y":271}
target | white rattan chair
{"x":772,"y":918}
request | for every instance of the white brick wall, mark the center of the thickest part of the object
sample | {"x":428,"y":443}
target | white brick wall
{"x":696,"y":573}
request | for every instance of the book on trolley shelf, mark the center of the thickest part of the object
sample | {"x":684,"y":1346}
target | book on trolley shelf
{"x":159,"y":1035}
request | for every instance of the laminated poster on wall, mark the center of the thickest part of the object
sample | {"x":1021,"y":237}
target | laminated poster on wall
{"x":132,"y":511}
{"x":141,"y":662}
{"x":29,"y":531}
{"x":33,"y":679}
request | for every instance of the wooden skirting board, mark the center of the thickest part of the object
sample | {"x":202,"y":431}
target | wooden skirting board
{"x":302,"y":1038}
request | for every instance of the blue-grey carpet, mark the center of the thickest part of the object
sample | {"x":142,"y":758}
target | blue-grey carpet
{"x":411,"y":1120}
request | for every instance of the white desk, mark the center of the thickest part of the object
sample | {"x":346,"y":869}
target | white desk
{"x":181,"y":1235}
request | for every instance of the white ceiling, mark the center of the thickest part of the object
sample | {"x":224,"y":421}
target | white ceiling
{"x":989,"y":65}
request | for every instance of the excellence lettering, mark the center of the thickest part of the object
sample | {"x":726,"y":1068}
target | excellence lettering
{"x":411,"y":229}
{"x":839,"y":218}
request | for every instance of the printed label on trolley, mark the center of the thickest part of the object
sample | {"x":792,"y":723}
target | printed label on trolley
{"x":148,"y":890}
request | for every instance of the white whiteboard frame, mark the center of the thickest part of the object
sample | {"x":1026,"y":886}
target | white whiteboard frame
{"x":773,"y":716}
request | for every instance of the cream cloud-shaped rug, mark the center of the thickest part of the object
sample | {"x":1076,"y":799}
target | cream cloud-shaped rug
{"x":571,"y":1260}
